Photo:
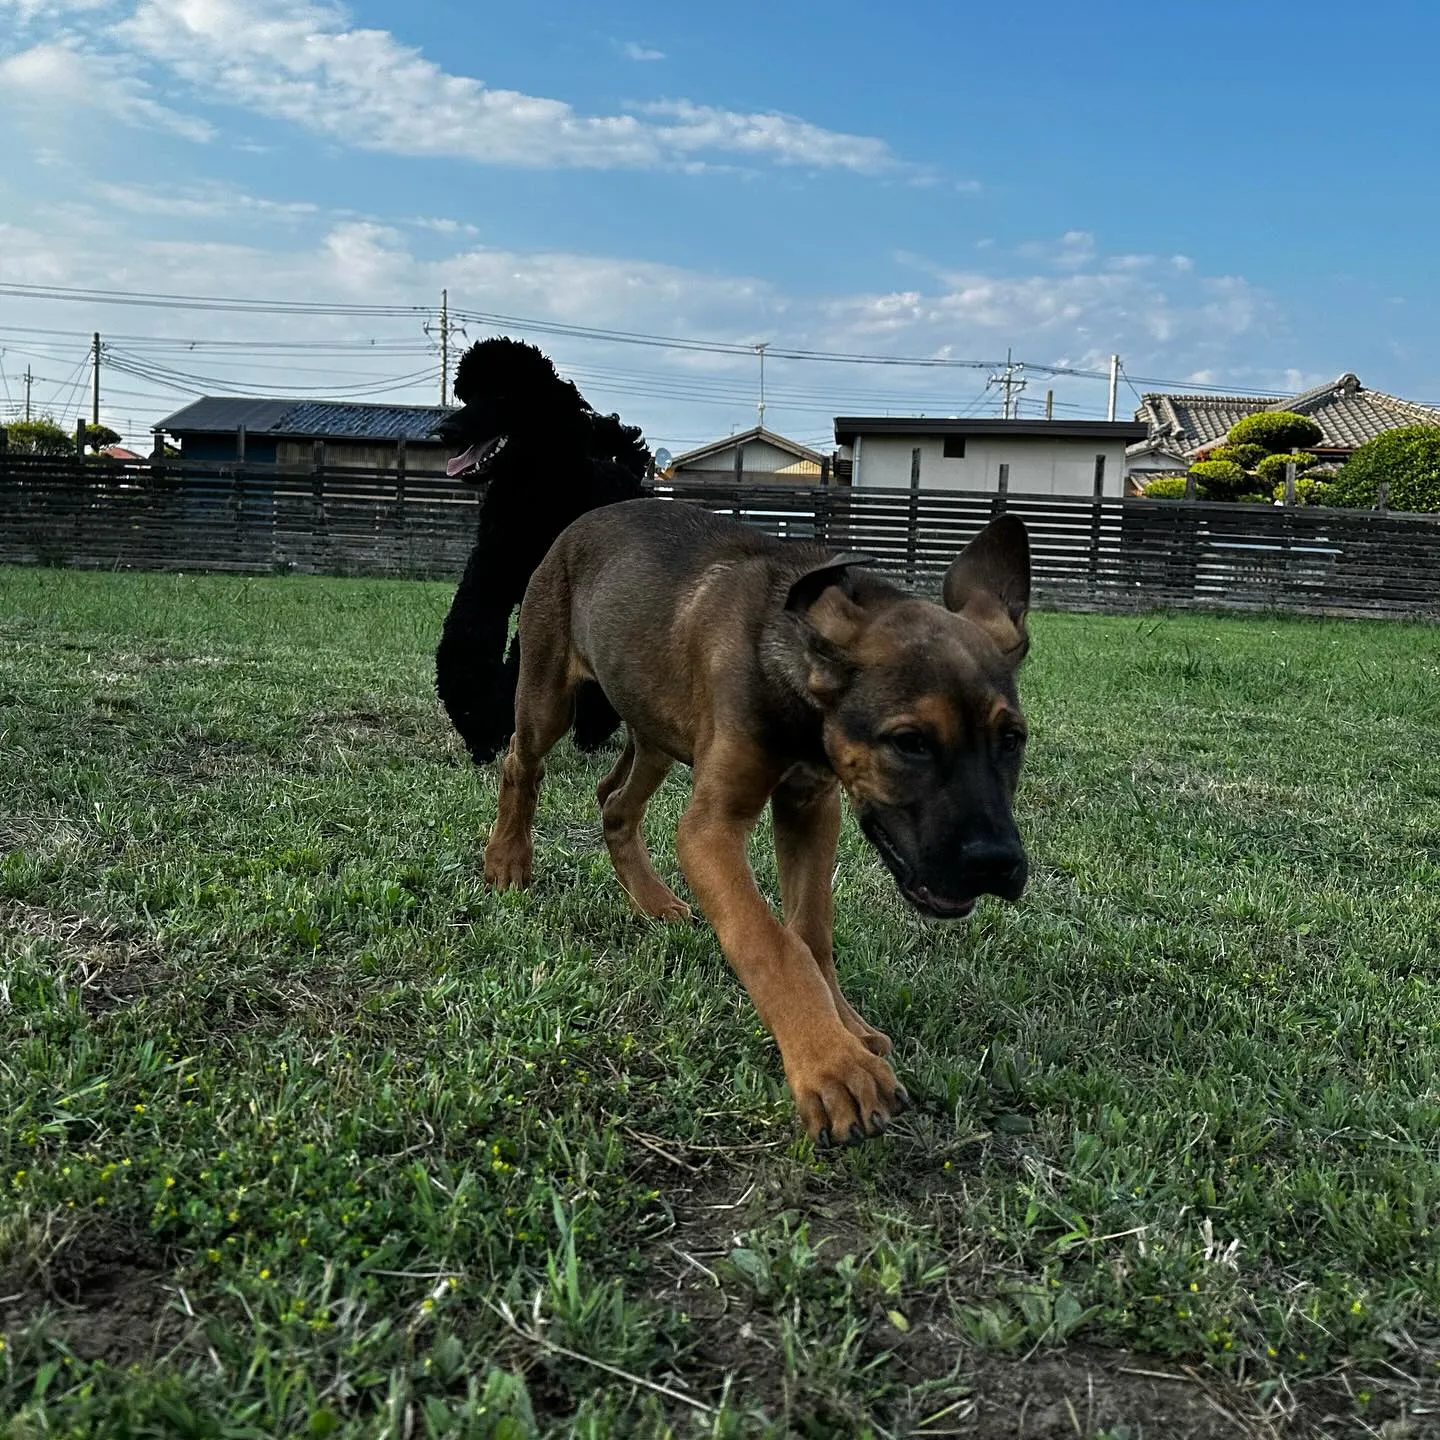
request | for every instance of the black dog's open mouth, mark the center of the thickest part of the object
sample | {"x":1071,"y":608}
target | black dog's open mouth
{"x":920,"y":896}
{"x":477,"y":459}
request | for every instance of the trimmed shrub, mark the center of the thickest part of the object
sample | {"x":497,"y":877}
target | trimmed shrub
{"x":1252,"y":497}
{"x":1247,"y":457}
{"x":1275,"y":430}
{"x":1272,"y":467}
{"x":1222,"y":479}
{"x":1166,"y":487}
{"x":1409,"y":458}
{"x":1309,"y":490}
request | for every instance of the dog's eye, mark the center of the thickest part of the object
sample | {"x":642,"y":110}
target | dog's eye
{"x":909,"y":742}
{"x":1012,"y":741}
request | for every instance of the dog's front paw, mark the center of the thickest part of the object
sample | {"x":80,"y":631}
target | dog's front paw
{"x":845,"y":1093}
{"x":877,"y":1042}
{"x":508,"y":867}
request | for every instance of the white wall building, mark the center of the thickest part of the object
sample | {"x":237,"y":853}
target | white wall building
{"x":1023,"y":457}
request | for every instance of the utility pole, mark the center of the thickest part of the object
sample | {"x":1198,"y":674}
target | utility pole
{"x":445,"y":331}
{"x":1012,"y":382}
{"x":1114,"y":385}
{"x":95,"y":384}
{"x":760,"y":351}
{"x":444,"y":346}
{"x":29,"y":380}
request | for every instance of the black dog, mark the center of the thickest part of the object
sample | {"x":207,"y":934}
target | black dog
{"x":543,"y":457}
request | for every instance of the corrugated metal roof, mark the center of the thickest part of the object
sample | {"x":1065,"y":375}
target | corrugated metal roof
{"x":304,"y":419}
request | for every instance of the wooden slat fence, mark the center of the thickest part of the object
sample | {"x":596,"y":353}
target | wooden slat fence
{"x":1107,"y":554}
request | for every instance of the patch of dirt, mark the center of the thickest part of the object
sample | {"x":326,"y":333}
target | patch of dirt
{"x":1079,"y":1392}
{"x":109,"y":967}
{"x":106,"y":1303}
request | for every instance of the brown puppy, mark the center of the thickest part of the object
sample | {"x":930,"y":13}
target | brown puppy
{"x":782,"y":673}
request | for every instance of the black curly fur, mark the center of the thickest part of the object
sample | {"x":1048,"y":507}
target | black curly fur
{"x":561,"y":459}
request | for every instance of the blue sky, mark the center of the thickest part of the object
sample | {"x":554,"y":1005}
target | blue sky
{"x":1241,"y":196}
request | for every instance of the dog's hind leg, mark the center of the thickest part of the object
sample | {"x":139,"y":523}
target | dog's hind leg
{"x":807,"y":827}
{"x":623,"y":797}
{"x":544,"y":699}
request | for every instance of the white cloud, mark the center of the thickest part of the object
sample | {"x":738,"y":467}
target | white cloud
{"x":633,"y":50}
{"x":306,"y":63}
{"x":28,"y":10}
{"x":58,"y":78}
{"x":201,"y":202}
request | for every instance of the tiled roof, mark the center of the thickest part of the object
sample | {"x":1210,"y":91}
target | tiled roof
{"x":304,"y":419}
{"x":1347,"y":413}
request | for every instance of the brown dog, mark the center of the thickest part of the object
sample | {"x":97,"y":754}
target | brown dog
{"x":782,"y":673}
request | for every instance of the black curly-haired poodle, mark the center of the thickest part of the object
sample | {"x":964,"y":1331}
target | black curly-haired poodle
{"x":542,"y":457}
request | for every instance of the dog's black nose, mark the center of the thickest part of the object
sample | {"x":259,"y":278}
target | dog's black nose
{"x":995,"y":867}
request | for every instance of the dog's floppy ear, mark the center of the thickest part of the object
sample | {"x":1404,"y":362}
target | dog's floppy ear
{"x":989,"y":582}
{"x":828,"y":621}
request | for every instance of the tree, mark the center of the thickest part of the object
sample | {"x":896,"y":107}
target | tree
{"x":39,"y":437}
{"x":1256,"y":452}
{"x":1276,"y":430}
{"x":97,"y":437}
{"x":1407,"y":458}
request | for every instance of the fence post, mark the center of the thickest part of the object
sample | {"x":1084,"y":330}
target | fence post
{"x":319,"y":548}
{"x":912,"y":538}
{"x":824,"y":469}
{"x":4,"y":439}
{"x":402,"y":547}
{"x":739,"y":465}
{"x":1290,"y":477}
{"x":1097,"y":502}
{"x":1189,"y":484}
{"x":80,"y":438}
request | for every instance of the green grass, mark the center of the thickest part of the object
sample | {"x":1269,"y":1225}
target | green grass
{"x":294,"y":1109}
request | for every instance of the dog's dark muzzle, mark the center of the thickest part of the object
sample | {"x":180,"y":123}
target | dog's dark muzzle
{"x":947,"y":884}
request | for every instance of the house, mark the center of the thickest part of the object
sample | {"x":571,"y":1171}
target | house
{"x":284,"y":432}
{"x":1035,"y":457}
{"x":1181,"y":428}
{"x":758,"y":456}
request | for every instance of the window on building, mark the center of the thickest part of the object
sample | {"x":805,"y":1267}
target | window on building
{"x":954,"y":447}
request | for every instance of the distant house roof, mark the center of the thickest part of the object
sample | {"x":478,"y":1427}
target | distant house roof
{"x":119,"y":452}
{"x":847,"y":427}
{"x":758,"y":432}
{"x":304,"y":419}
{"x":1347,"y":413}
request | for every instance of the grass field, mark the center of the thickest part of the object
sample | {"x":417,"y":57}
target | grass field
{"x":302,"y":1132}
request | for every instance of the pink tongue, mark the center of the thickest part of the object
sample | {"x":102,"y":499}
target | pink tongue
{"x":459,"y":464}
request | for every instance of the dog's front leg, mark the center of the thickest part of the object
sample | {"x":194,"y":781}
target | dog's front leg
{"x":842,"y":1091}
{"x":806,"y":813}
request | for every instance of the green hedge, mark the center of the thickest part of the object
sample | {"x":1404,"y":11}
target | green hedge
{"x":1309,"y":490}
{"x":1272,"y":467}
{"x":1409,"y":458}
{"x":1222,"y":479}
{"x":1166,"y":487}
{"x":1275,"y":430}
{"x":1247,"y":457}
